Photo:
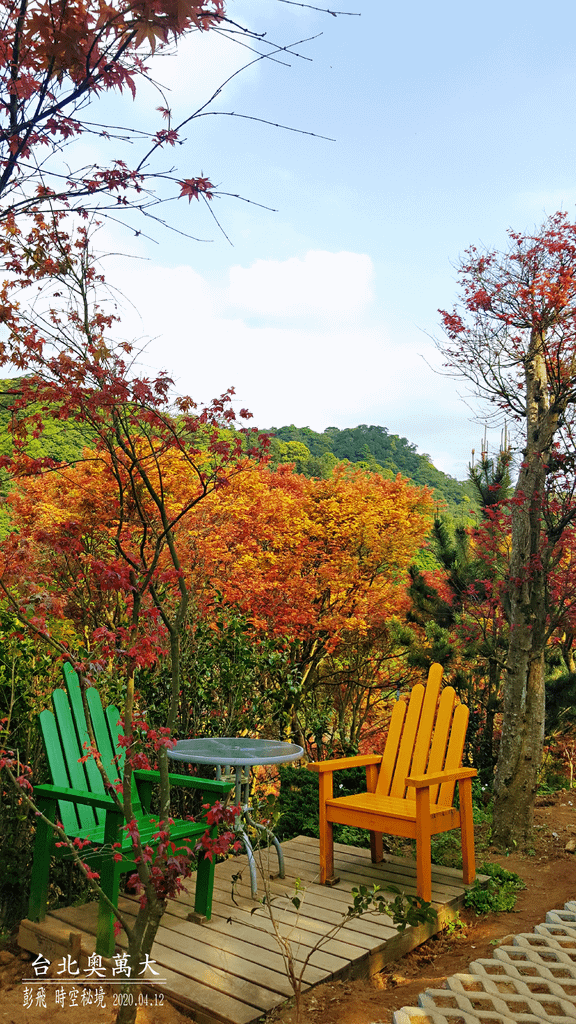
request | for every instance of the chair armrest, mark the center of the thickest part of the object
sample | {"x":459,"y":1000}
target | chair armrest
{"x":423,"y":781}
{"x":344,"y":762}
{"x":76,"y":796}
{"x":189,"y":781}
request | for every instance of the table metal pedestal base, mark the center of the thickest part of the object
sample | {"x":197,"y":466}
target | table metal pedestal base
{"x":233,"y":758}
{"x":250,"y":851}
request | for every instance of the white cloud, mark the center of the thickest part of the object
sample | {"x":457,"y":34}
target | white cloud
{"x":322,"y":282}
{"x":311,"y":372}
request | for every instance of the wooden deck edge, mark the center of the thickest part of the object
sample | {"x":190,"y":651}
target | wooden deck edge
{"x":55,"y":940}
{"x":405,"y":942}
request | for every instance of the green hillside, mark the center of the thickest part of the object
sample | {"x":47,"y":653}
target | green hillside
{"x":313,"y":453}
{"x":373,"y":447}
{"x":61,"y":440}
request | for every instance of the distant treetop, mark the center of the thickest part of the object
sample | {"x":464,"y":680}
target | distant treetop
{"x":372,"y":446}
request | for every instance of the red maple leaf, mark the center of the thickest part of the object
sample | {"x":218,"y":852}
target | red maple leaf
{"x":195,"y":187}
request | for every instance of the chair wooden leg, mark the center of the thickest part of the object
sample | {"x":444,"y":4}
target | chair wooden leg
{"x":110,"y":872}
{"x":204,"y":885}
{"x":423,"y":851}
{"x":376,"y":850}
{"x":467,"y":829}
{"x":327,"y":876}
{"x":376,"y":847}
{"x":326,"y":831}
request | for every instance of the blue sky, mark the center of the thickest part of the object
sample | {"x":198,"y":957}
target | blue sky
{"x":451,"y":123}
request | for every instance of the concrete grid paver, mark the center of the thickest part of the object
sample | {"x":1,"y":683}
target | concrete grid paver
{"x":530,"y":981}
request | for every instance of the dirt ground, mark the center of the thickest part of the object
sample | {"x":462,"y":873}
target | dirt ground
{"x":550,"y":877}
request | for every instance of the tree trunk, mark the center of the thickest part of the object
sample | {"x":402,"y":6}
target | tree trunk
{"x":139,"y":948}
{"x":521,"y":747}
{"x":486,"y":745}
{"x":520,"y":753}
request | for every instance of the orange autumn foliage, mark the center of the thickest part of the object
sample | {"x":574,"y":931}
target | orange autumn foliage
{"x":310,"y":558}
{"x":307,"y":559}
{"x":65,"y":528}
{"x":79,"y":545}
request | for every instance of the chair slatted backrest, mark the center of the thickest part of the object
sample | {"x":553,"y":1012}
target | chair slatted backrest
{"x":425,"y":736}
{"x":455,"y":751}
{"x":406,"y":749}
{"x":74,"y":695}
{"x":426,"y":724}
{"x":58,"y":769}
{"x":107,"y":729}
{"x":66,"y":740}
{"x":63,"y":753}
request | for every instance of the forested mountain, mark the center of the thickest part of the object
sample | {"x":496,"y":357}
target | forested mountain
{"x":62,"y":440}
{"x":374,"y":447}
{"x":313,"y":453}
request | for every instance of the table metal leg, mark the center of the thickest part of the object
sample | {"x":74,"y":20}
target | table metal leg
{"x":251,"y":864}
{"x":241,"y":778}
{"x":242,"y":781}
{"x":271,"y":838}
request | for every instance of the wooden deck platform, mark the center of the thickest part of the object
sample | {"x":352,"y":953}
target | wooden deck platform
{"x":230,"y":970}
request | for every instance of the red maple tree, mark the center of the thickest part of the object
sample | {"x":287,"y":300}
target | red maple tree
{"x":55,"y":55}
{"x":514,"y":338}
{"x":75,"y":371}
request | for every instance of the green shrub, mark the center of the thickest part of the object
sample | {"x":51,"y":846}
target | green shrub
{"x":446,"y":849}
{"x":231,"y":680}
{"x":298,"y":804}
{"x":26,"y":680}
{"x":500,"y":893}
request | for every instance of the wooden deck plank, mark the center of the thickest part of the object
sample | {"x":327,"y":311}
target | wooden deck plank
{"x":184,"y":991}
{"x":405,"y":870}
{"x":363,"y":853}
{"x":305,"y":849}
{"x":307,"y":932}
{"x":218,"y":978}
{"x":174,"y":934}
{"x":190,"y":938}
{"x":226,"y":938}
{"x":218,"y":931}
{"x":353,"y":874}
{"x":317,"y":923}
{"x":319,"y":903}
{"x":357,"y":860}
{"x":332,"y":907}
{"x":230,"y":970}
{"x":354,"y":871}
{"x":215,"y":975}
{"x":259,"y":932}
{"x":330,"y":964}
{"x":440,"y":872}
{"x":208,"y":1005}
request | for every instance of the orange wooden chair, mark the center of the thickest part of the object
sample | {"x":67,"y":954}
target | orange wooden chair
{"x":410,"y":787}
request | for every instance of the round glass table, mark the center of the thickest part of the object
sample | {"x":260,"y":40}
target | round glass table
{"x":240,"y":753}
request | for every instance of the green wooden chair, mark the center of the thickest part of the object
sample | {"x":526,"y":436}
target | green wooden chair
{"x":77,"y":798}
